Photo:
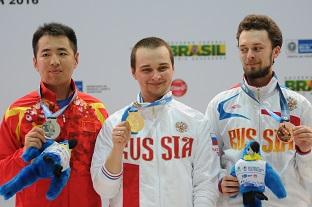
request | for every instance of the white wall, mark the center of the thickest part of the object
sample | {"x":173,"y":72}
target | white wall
{"x":107,"y":30}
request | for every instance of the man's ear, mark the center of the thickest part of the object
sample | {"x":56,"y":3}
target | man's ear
{"x":35,"y":63}
{"x":276,"y":51}
{"x":133,"y":72}
{"x":76,"y":59}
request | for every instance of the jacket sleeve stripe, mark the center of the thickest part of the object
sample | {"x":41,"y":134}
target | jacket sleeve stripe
{"x":109,"y":175}
{"x":20,"y":111}
{"x":100,"y":111}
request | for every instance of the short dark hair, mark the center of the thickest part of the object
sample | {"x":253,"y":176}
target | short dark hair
{"x":261,"y":22}
{"x":54,"y":29}
{"x":150,"y":42}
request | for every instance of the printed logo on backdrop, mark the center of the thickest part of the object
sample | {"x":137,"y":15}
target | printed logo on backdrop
{"x":299,"y":48}
{"x":92,"y":88}
{"x":178,"y":87}
{"x":301,"y":84}
{"x":97,"y":88}
{"x":199,"y":50}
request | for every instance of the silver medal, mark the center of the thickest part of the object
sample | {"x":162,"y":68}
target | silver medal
{"x":51,"y":128}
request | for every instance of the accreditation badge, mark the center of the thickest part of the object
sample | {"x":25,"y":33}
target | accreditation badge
{"x":51,"y":128}
{"x":136,"y":121}
{"x":285,"y":132}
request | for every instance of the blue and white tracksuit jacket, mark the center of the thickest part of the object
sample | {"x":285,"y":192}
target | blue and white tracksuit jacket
{"x":236,"y":118}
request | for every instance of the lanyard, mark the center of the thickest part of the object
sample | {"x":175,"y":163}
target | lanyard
{"x":140,"y":105}
{"x":46,"y":110}
{"x":283,"y":103}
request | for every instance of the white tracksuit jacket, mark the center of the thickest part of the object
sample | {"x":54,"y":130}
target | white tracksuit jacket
{"x":170,"y":163}
{"x":232,"y":132}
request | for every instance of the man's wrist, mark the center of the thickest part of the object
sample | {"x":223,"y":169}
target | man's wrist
{"x":219,"y":185}
{"x":116,"y":150}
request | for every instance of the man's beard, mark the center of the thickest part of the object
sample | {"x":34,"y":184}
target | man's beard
{"x":259,"y":73}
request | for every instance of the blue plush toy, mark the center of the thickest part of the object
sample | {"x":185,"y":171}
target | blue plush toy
{"x":254,"y":174}
{"x":51,"y":161}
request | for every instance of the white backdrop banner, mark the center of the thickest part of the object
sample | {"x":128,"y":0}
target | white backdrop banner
{"x":201,"y":33}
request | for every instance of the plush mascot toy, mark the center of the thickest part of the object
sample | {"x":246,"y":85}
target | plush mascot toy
{"x":254,"y":174}
{"x":51,"y":161}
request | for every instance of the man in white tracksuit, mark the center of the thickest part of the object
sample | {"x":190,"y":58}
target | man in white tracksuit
{"x":165,"y":163}
{"x":255,"y":110}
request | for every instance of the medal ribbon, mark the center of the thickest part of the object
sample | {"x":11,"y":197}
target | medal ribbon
{"x":285,"y":114}
{"x":135,"y":106}
{"x":48,"y":113}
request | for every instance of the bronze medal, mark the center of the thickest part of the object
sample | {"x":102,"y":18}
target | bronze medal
{"x":285,"y":132}
{"x":51,"y":128}
{"x":136,"y":121}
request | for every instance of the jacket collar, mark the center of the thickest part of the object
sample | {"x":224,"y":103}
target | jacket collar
{"x":141,"y":101}
{"x":265,"y":90}
{"x":50,"y":95}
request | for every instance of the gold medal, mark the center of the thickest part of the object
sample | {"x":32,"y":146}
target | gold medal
{"x":136,"y":121}
{"x":285,"y":132}
{"x":51,"y":128}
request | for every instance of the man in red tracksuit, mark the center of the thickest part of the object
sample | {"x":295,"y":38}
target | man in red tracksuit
{"x":77,"y":115}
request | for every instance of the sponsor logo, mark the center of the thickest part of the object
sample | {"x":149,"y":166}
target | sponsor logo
{"x":299,"y":48}
{"x":235,"y":106}
{"x":97,"y":88}
{"x":199,"y":50}
{"x":301,"y":84}
{"x":178,"y":87}
{"x":304,"y":46}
